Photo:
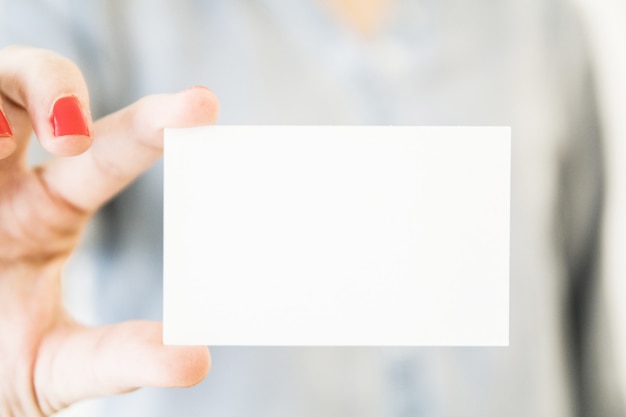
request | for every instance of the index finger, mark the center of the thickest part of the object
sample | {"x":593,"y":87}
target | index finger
{"x":52,"y":90}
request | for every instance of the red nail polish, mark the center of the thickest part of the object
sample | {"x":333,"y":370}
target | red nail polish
{"x":5,"y":129}
{"x":67,"y":117}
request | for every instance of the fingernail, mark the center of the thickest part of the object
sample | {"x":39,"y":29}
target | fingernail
{"x":67,"y":117}
{"x":5,"y":129}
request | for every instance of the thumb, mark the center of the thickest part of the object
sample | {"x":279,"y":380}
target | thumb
{"x":125,"y":144}
{"x":77,"y":362}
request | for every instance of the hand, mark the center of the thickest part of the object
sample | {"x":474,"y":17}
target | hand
{"x":48,"y":360}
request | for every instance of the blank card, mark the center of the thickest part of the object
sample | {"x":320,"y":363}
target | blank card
{"x":336,"y":235}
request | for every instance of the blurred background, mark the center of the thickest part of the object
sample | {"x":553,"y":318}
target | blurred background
{"x":605,"y":24}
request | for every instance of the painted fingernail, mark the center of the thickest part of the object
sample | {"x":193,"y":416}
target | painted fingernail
{"x":5,"y":128}
{"x":67,"y":117}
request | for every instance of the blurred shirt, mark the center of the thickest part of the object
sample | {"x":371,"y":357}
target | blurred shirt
{"x":446,"y":62}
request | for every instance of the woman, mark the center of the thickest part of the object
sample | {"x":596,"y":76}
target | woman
{"x":270,"y":62}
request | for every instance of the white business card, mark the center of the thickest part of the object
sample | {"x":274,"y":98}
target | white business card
{"x":336,"y":235}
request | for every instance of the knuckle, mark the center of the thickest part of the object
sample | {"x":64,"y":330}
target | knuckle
{"x":59,"y":69}
{"x":30,"y":73}
{"x":145,"y":126}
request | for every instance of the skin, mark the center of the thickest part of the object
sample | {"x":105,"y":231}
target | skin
{"x":48,"y":360}
{"x":365,"y":17}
